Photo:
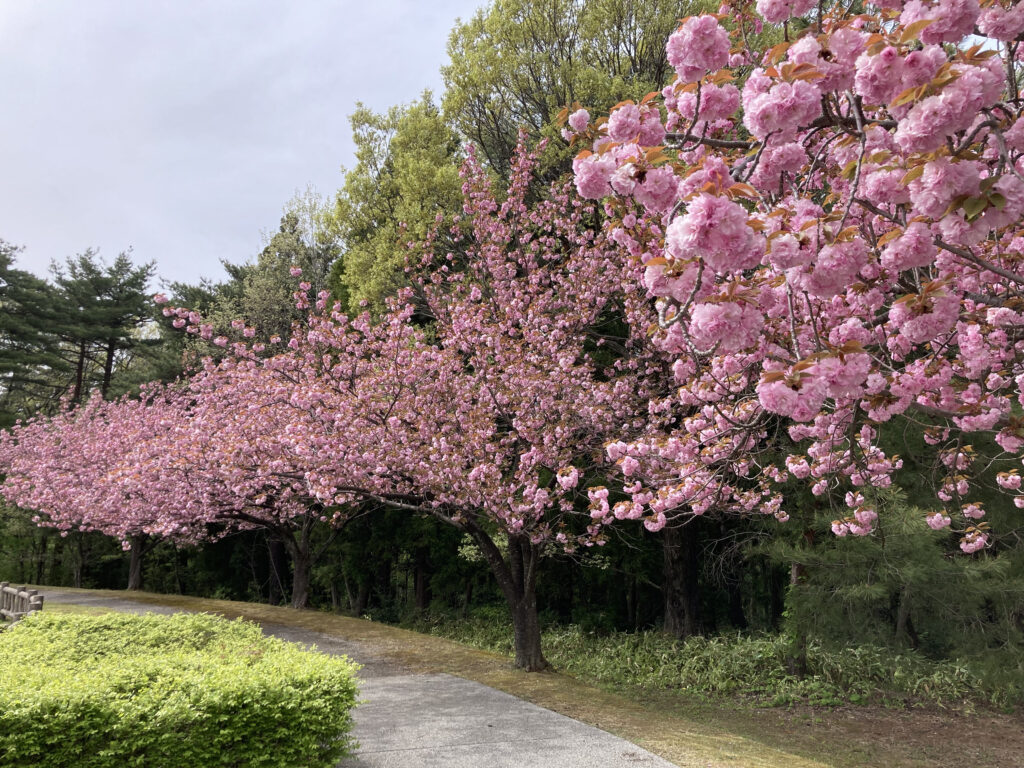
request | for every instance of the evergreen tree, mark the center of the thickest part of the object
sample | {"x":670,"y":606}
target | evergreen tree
{"x":261,"y":293}
{"x":105,"y":307}
{"x":31,"y":369}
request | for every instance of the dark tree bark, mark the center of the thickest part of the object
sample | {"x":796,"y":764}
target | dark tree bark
{"x":57,"y":556}
{"x":78,"y":563}
{"x":301,"y":571}
{"x":138,"y":550}
{"x":299,"y":544}
{"x":421,"y":583}
{"x":277,"y":561}
{"x":362,"y":598}
{"x":796,"y":663}
{"x":108,"y":366}
{"x":335,"y":602}
{"x":681,"y":588}
{"x":776,"y":594}
{"x":76,"y":394}
{"x":905,"y":632}
{"x":41,"y":559}
{"x":517,"y":579}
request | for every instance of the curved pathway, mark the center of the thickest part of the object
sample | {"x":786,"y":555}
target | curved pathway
{"x":409,"y":720}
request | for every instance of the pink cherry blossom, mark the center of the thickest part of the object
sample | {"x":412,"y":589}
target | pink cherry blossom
{"x":776,"y":11}
{"x":699,"y":46}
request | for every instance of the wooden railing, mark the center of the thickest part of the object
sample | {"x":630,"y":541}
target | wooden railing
{"x":18,"y":602}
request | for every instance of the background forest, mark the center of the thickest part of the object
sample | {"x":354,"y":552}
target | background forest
{"x":790,"y":591}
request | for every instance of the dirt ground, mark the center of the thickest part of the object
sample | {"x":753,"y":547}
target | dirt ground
{"x":846,"y":737}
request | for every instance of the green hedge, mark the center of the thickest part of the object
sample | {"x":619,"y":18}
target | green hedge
{"x":167,"y":692}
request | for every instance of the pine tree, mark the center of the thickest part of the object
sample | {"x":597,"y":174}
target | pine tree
{"x":105,"y":306}
{"x":31,"y":369}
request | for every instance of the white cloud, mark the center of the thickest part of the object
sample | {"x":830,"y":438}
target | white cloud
{"x":181,"y":128}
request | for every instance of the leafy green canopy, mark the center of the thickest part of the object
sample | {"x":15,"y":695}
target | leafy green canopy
{"x":406,"y":174}
{"x":514,"y":65}
{"x":517,"y":63}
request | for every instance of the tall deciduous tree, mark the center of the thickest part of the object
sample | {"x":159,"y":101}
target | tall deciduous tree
{"x":406,"y":175}
{"x":93,"y":468}
{"x":516,"y":63}
{"x":489,"y":420}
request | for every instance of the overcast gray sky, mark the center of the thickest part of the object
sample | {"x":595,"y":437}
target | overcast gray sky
{"x":180,"y":128}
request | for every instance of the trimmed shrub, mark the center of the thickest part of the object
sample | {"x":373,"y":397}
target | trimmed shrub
{"x":168,"y":692}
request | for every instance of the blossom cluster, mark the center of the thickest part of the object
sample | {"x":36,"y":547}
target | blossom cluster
{"x":836,"y":242}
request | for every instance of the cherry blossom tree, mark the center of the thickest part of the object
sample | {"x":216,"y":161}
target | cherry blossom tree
{"x":481,"y":401}
{"x":536,"y":379}
{"x":228,"y":449}
{"x":252,"y":447}
{"x":830,"y":229}
{"x":90,"y":469}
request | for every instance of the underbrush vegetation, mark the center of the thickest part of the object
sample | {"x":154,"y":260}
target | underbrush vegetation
{"x":168,"y":692}
{"x":752,"y":668}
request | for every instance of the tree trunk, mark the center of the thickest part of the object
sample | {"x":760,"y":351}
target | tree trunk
{"x":526,"y":634}
{"x":796,"y":662}
{"x":905,"y":633}
{"x":421,"y":579}
{"x":55,"y":569}
{"x":517,"y":577}
{"x":277,"y":559}
{"x":76,"y":395}
{"x":177,"y":571}
{"x":301,"y":569}
{"x":108,"y":367}
{"x":737,"y":617}
{"x":78,"y":562}
{"x":300,"y":550}
{"x":41,"y":559}
{"x":681,"y":548}
{"x":362,"y":598}
{"x":348,"y":592}
{"x":138,"y":545}
{"x":776,"y":593}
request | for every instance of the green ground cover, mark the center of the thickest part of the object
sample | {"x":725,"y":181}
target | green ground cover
{"x":756,"y":668}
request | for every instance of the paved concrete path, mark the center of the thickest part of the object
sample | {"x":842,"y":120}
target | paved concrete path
{"x":425,"y":721}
